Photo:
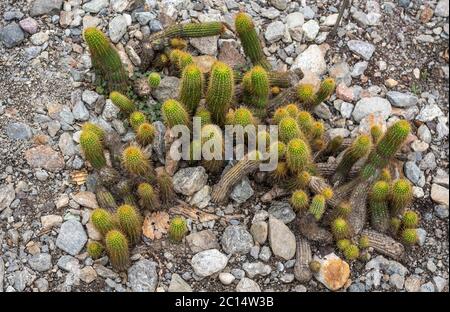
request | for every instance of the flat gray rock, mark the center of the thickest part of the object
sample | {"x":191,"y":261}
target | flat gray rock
{"x":372,"y":105}
{"x":236,"y":240}
{"x":143,"y":276}
{"x":72,"y":237}
{"x":40,"y":262}
{"x":362,"y":48}
{"x":399,"y":99}
{"x":208,"y":262}
{"x":41,"y":7}
{"x":282,"y":211}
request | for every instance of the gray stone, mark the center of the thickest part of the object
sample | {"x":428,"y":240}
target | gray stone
{"x":424,"y":133}
{"x":236,"y":240}
{"x":247,"y":285}
{"x":265,"y":254}
{"x":7,"y":195}
{"x":275,"y":31}
{"x":80,"y":112}
{"x":281,"y":238}
{"x":18,"y":131}
{"x":256,"y":269}
{"x":95,"y":6}
{"x":119,"y":5}
{"x":202,"y":240}
{"x":104,"y":272}
{"x":270,"y":13}
{"x":440,"y":283}
{"x":359,"y":69}
{"x":442,"y":8}
{"x":40,"y":262}
{"x":110,"y":111}
{"x":362,"y":48}
{"x":201,"y":198}
{"x":177,"y":284}
{"x":208,"y":262}
{"x":428,"y":287}
{"x":421,"y":236}
{"x":280,"y":4}
{"x":66,"y":144}
{"x":167,"y":89}
{"x":205,"y":45}
{"x":22,"y":279}
{"x":189,"y":180}
{"x":312,"y":60}
{"x":39,"y":38}
{"x":413,"y":173}
{"x":226,"y":278}
{"x":397,"y":281}
{"x":89,"y":97}
{"x":440,"y":194}
{"x":372,"y":105}
{"x":117,"y":28}
{"x":41,"y":7}
{"x":11,"y":35}
{"x":259,"y":231}
{"x":242,"y":191}
{"x":71,"y":237}
{"x":310,"y":29}
{"x":88,"y":274}
{"x":429,"y":112}
{"x":159,"y":142}
{"x":412,"y":283}
{"x":294,"y":23}
{"x":144,"y":17}
{"x":399,"y":99}
{"x":2,"y":273}
{"x":357,"y":287}
{"x":143,"y":276}
{"x":282,"y":211}
{"x":68,"y":263}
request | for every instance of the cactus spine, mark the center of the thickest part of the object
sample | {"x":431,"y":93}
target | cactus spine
{"x":95,"y":249}
{"x":326,"y":89}
{"x":117,"y":248}
{"x":305,"y":93}
{"x":130,"y":222}
{"x":177,"y":229}
{"x":125,"y":105}
{"x":379,"y":210}
{"x":148,"y":196}
{"x":135,"y":160}
{"x":298,"y":155}
{"x":106,"y":59}
{"x":289,"y":129}
{"x":204,"y":115}
{"x":220,"y":91}
{"x":191,"y":87}
{"x":136,"y":119}
{"x":340,"y":228}
{"x":154,"y":79}
{"x":299,"y":200}
{"x":91,"y":127}
{"x":243,"y":117}
{"x":279,"y":114}
{"x":250,"y":41}
{"x":410,"y":219}
{"x":193,"y":30}
{"x":401,"y":196}
{"x":305,"y":122}
{"x":102,"y":220}
{"x":317,"y":207}
{"x":260,"y":87}
{"x":92,"y":147}
{"x":351,"y":252}
{"x":145,"y":133}
{"x":174,"y":113}
{"x":409,"y":236}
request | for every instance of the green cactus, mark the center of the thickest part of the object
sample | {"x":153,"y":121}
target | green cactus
{"x":305,"y":94}
{"x":288,"y":129}
{"x":314,"y":266}
{"x":180,"y":58}
{"x":125,"y":191}
{"x":333,"y":146}
{"x":300,"y":180}
{"x":317,"y":206}
{"x":305,"y":122}
{"x":378,"y":202}
{"x":364,"y":242}
{"x":177,"y":229}
{"x":92,"y":148}
{"x":409,"y":236}
{"x":343,"y":209}
{"x":280,"y":147}
{"x":281,"y":172}
{"x":178,"y":43}
{"x":130,"y":222}
{"x":220,"y":92}
{"x":386,"y":148}
{"x":204,"y":115}
{"x":148,"y":196}
{"x":91,"y":127}
{"x":326,"y":89}
{"x":166,"y":191}
{"x":106,"y":199}
{"x":102,"y":220}
{"x":351,"y":252}
{"x":394,"y":225}
{"x":292,"y":110}
{"x":243,"y":117}
{"x":385,"y":175}
{"x":343,"y":244}
{"x":360,"y":147}
{"x":136,"y":119}
{"x":376,"y":132}
{"x":135,"y":160}
{"x":95,"y":249}
{"x":260,"y":87}
{"x":340,"y":228}
{"x":117,"y":248}
{"x":298,"y":155}
{"x":317,"y":130}
{"x":193,"y":30}
{"x":191,"y":87}
{"x":125,"y":105}
{"x":106,"y":59}
{"x":212,"y":133}
{"x":154,"y":79}
{"x":401,"y":196}
{"x":174,"y":113}
{"x":250,"y":41}
{"x":299,"y":200}
{"x":145,"y":133}
{"x":410,"y":219}
{"x":279,"y":115}
{"x":327,"y":192}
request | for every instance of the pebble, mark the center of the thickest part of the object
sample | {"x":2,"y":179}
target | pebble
{"x":41,"y":262}
{"x":372,"y":105}
{"x":265,"y":254}
{"x":247,"y":285}
{"x":412,"y":283}
{"x":440,"y":194}
{"x":117,"y":28}
{"x":71,"y":237}
{"x":311,"y":60}
{"x":259,"y":230}
{"x":143,"y":276}
{"x":177,"y":284}
{"x":334,"y":272}
{"x":43,"y":156}
{"x":226,"y":278}
{"x":275,"y":31}
{"x":236,"y":240}
{"x":86,"y":199}
{"x":282,"y":240}
{"x":11,"y":35}
{"x":208,"y":262}
{"x":242,"y":191}
{"x":362,"y":48}
{"x":310,"y":29}
{"x":39,"y":38}
{"x":41,"y":7}
{"x":18,"y":131}
{"x":29,"y":25}
{"x":189,"y":180}
{"x":203,"y":240}
{"x":403,"y":100}
{"x":256,"y":269}
{"x":282,"y":211}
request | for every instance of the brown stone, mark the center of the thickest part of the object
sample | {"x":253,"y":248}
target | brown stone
{"x":230,"y":54}
{"x":86,"y":199}
{"x":204,"y":62}
{"x":43,"y":156}
{"x":334,"y":272}
{"x":426,"y":14}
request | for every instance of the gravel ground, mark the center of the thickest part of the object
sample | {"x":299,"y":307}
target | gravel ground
{"x":389,"y":58}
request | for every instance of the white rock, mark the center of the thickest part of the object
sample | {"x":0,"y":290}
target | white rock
{"x":312,"y":60}
{"x":208,"y":262}
{"x":367,"y":106}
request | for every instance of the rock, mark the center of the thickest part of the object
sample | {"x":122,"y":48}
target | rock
{"x":333,"y":273}
{"x":202,"y":240}
{"x":89,"y":97}
{"x":421,"y":236}
{"x":311,"y":60}
{"x":282,"y":211}
{"x":413,"y":173}
{"x":88,"y":274}
{"x":208,"y":262}
{"x":424,"y":133}
{"x":275,"y":31}
{"x":359,"y":69}
{"x":51,"y":221}
{"x":440,"y":283}
{"x":362,"y":48}
{"x":2,"y":273}
{"x":280,"y":4}
{"x":92,"y":232}
{"x":68,"y":263}
{"x":242,"y":191}
{"x":18,"y":131}
{"x":7,"y":195}
{"x":80,"y":112}
{"x":442,"y":8}
{"x":372,"y":105}
{"x":294,"y":23}
{"x":310,"y":29}
{"x":428,"y":287}
{"x":167,"y":89}
{"x":117,"y":28}
{"x":204,"y":63}
{"x":412,"y":283}
{"x":201,"y":198}
{"x":86,"y":199}
{"x":119,"y":5}
{"x":429,"y":112}
{"x":439,"y":194}
{"x":66,"y":144}
{"x":205,"y":45}
{"x":259,"y":231}
{"x":399,"y":99}
{"x":43,"y":156}
{"x":143,"y":276}
{"x":39,"y":38}
{"x":71,"y":237}
{"x":29,"y":25}
{"x":265,"y":254}
{"x":95,"y":6}
{"x":397,"y":281}
{"x":230,"y":54}
{"x":177,"y":284}
{"x":41,"y":7}
{"x":247,"y":285}
{"x":236,"y":240}
{"x":189,"y":180}
{"x":282,"y":240}
{"x":11,"y":35}
{"x":341,"y":74}
{"x":256,"y":269}
{"x":104,"y":272}
{"x":144,"y":17}
{"x":226,"y":278}
{"x":159,"y":145}
{"x":40,"y":262}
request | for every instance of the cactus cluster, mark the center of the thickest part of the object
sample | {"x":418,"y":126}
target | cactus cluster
{"x":92,"y":146}
{"x":309,"y":98}
{"x":220,"y":91}
{"x":177,"y":229}
{"x":191,"y":89}
{"x":174,"y":113}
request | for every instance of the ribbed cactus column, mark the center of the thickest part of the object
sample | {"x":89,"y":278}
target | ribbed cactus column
{"x":220,"y":91}
{"x":192,"y":30}
{"x":174,"y":113}
{"x":250,"y":41}
{"x":260,"y":87}
{"x":191,"y":87}
{"x":106,"y":59}
{"x":378,"y":203}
